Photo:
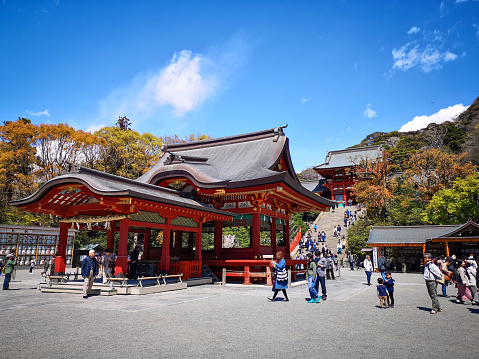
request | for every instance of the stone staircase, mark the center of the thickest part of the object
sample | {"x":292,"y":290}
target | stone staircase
{"x":326,"y":221}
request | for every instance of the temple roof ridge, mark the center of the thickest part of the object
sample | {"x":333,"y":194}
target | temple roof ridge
{"x":245,"y":137}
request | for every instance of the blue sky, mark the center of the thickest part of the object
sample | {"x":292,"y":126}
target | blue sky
{"x":334,"y":71}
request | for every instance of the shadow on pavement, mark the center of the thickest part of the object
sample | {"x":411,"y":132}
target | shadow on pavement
{"x":424,"y":309}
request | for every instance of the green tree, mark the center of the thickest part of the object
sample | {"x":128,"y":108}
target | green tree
{"x":358,"y":236}
{"x":455,"y":205}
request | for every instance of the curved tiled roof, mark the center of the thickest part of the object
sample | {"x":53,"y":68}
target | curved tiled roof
{"x":231,"y":162}
{"x":347,"y":157}
{"x":105,"y":184}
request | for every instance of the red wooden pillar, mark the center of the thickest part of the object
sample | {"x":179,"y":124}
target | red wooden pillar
{"x":287,"y":255}
{"x":146,"y":244}
{"x":122,"y":255}
{"x":60,"y":258}
{"x":256,"y":233}
{"x":110,"y":237}
{"x":218,"y":239}
{"x":165,"y":248}
{"x":199,"y":232}
{"x":247,"y":279}
{"x":273,"y":235}
{"x":344,"y":189}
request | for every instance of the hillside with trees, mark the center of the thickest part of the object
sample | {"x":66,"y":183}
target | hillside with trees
{"x":424,"y":177}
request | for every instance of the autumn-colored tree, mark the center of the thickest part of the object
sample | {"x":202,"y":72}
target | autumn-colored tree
{"x":17,"y":159}
{"x":125,"y":152}
{"x":432,"y":170}
{"x":371,"y":188}
{"x":457,"y":204}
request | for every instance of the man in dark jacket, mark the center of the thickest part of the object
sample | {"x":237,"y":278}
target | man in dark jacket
{"x":134,"y":262}
{"x":382,"y":267}
{"x":89,"y":269}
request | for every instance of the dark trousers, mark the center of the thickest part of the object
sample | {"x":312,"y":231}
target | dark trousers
{"x":133,"y":266}
{"x":321,"y":280}
{"x":6,"y":281}
{"x":368,"y":276}
{"x":391,"y":299}
{"x":276,"y":291}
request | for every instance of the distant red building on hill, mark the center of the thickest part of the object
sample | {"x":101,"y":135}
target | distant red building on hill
{"x":339,"y":171}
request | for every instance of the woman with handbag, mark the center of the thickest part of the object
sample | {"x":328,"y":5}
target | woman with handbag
{"x":281,"y":277}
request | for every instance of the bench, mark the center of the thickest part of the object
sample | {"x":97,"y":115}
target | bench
{"x":62,"y":278}
{"x":123,"y":281}
{"x":161,"y":277}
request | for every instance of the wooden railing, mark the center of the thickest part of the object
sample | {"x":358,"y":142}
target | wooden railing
{"x":189,"y":269}
{"x":252,"y":268}
{"x":295,"y":241}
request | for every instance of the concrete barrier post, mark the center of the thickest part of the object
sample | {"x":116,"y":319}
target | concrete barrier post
{"x":223,"y":277}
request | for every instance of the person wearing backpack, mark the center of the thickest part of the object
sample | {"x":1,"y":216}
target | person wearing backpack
{"x":322,"y":264}
{"x":382,"y":267}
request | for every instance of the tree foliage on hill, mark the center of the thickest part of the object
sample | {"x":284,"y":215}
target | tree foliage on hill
{"x":455,"y":205}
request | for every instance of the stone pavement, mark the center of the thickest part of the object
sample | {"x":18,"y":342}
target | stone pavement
{"x":235,"y":321}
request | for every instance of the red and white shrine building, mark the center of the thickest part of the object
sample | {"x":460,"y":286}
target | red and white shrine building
{"x":194,"y":190}
{"x":339,"y":170}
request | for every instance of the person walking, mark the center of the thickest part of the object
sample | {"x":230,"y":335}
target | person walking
{"x":382,"y":267}
{"x":9,"y":267}
{"x":322,"y":264}
{"x":368,"y":268}
{"x":311,"y":276}
{"x":281,"y":277}
{"x":89,"y":270}
{"x":32,"y":265}
{"x":431,"y":274}
{"x":463,"y":283}
{"x":46,"y":265}
{"x":108,"y":261}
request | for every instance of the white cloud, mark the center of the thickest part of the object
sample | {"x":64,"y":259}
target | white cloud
{"x":369,"y":113}
{"x":348,"y":129}
{"x":428,"y":52}
{"x":305,"y":100}
{"x":405,"y":58}
{"x":443,"y":115}
{"x":355,"y":66}
{"x":449,"y":56}
{"x":413,"y":30}
{"x":181,"y":86}
{"x":42,"y":113}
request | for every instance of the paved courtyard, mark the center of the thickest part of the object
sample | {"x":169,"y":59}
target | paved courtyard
{"x":235,"y":322}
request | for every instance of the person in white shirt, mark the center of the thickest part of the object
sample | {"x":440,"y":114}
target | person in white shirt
{"x":368,"y":268}
{"x":431,"y":274}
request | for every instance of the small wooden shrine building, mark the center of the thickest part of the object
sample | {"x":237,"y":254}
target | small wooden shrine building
{"x":411,"y":242}
{"x":338,"y":169}
{"x":195,"y":189}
